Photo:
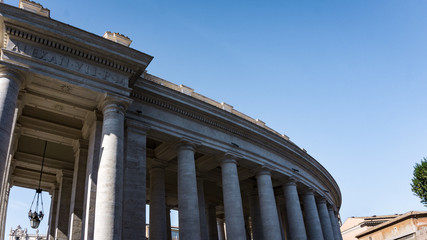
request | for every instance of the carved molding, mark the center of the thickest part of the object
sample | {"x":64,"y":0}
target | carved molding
{"x":186,"y":113}
{"x":66,"y":49}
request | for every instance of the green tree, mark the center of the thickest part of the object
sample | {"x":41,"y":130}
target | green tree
{"x":419,"y":182}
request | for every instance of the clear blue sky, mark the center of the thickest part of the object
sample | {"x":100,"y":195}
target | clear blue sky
{"x":345,"y":80}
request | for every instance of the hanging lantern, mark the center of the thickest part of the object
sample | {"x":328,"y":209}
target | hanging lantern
{"x":35,"y":215}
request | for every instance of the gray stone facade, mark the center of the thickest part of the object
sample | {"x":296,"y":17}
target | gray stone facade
{"x":120,"y":138}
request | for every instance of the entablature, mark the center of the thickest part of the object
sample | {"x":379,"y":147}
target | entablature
{"x":42,"y":44}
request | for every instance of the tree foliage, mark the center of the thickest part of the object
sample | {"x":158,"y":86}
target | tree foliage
{"x":419,"y":182}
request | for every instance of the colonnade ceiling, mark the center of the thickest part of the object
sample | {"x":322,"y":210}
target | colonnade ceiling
{"x":53,"y":111}
{"x":59,"y":159}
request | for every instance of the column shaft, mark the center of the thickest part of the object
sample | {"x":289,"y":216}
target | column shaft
{"x":268,"y":209}
{"x":13,"y":145}
{"x":109,"y":192}
{"x":63,"y":210}
{"x":281,"y":220}
{"x":3,"y":205}
{"x":78,"y":189}
{"x":233,"y":210}
{"x":53,"y":212}
{"x":221,"y":229}
{"x":294,"y":213}
{"x":311,"y":217}
{"x":324,"y":219}
{"x":189,"y":219}
{"x":247,"y":228}
{"x":134,"y":190}
{"x":168,"y":224}
{"x":157,"y":203}
{"x":202,"y":209}
{"x":256,"y":225}
{"x":212,"y":225}
{"x":95,"y":140}
{"x":334,"y":222}
{"x":10,"y":82}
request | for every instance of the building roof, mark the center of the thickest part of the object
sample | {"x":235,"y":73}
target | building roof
{"x":400,"y":218}
{"x":366,"y":221}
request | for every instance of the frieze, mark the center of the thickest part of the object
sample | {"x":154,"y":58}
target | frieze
{"x":65,"y":62}
{"x":16,"y":33}
{"x":186,"y":113}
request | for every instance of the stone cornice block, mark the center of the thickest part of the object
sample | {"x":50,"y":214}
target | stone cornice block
{"x":34,"y":8}
{"x":118,"y":38}
{"x":226,"y":107}
{"x":186,"y":90}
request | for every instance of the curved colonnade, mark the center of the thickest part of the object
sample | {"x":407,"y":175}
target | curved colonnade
{"x":123,"y":138}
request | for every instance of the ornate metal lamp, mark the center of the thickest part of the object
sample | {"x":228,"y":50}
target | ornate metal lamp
{"x":36,"y":216}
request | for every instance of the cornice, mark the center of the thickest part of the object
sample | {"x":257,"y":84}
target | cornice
{"x":15,"y":32}
{"x":64,"y":38}
{"x":184,"y":112}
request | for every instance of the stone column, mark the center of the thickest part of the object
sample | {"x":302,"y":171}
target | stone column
{"x":221,"y":229}
{"x":233,"y":210}
{"x":212,"y":225}
{"x":64,"y":201}
{"x":267,"y":204}
{"x":52,"y":214}
{"x":247,"y":227}
{"x":13,"y":145}
{"x":293,"y":210}
{"x":202,"y":209}
{"x":284,"y":215}
{"x":189,"y":219}
{"x":334,"y":222}
{"x":311,"y":216}
{"x":134,"y":185}
{"x":78,"y":189}
{"x":168,"y":223}
{"x":157,"y":201}
{"x":10,"y":83}
{"x":279,"y":203}
{"x":92,"y":131}
{"x":109,"y":192}
{"x":256,"y":224}
{"x":324,"y":219}
{"x":3,"y":205}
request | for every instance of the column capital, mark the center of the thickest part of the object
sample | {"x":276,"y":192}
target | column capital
{"x":12,"y":73}
{"x":90,"y":119}
{"x":96,"y":115}
{"x":80,"y":144}
{"x":114,"y":102}
{"x":158,"y":163}
{"x":321,"y":200}
{"x":262,"y":170}
{"x":187,"y":144}
{"x":290,"y":181}
{"x":308,"y":191}
{"x":201,"y":175}
{"x":332,"y":207}
{"x":64,"y":174}
{"x":137,"y":127}
{"x":228,"y":158}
